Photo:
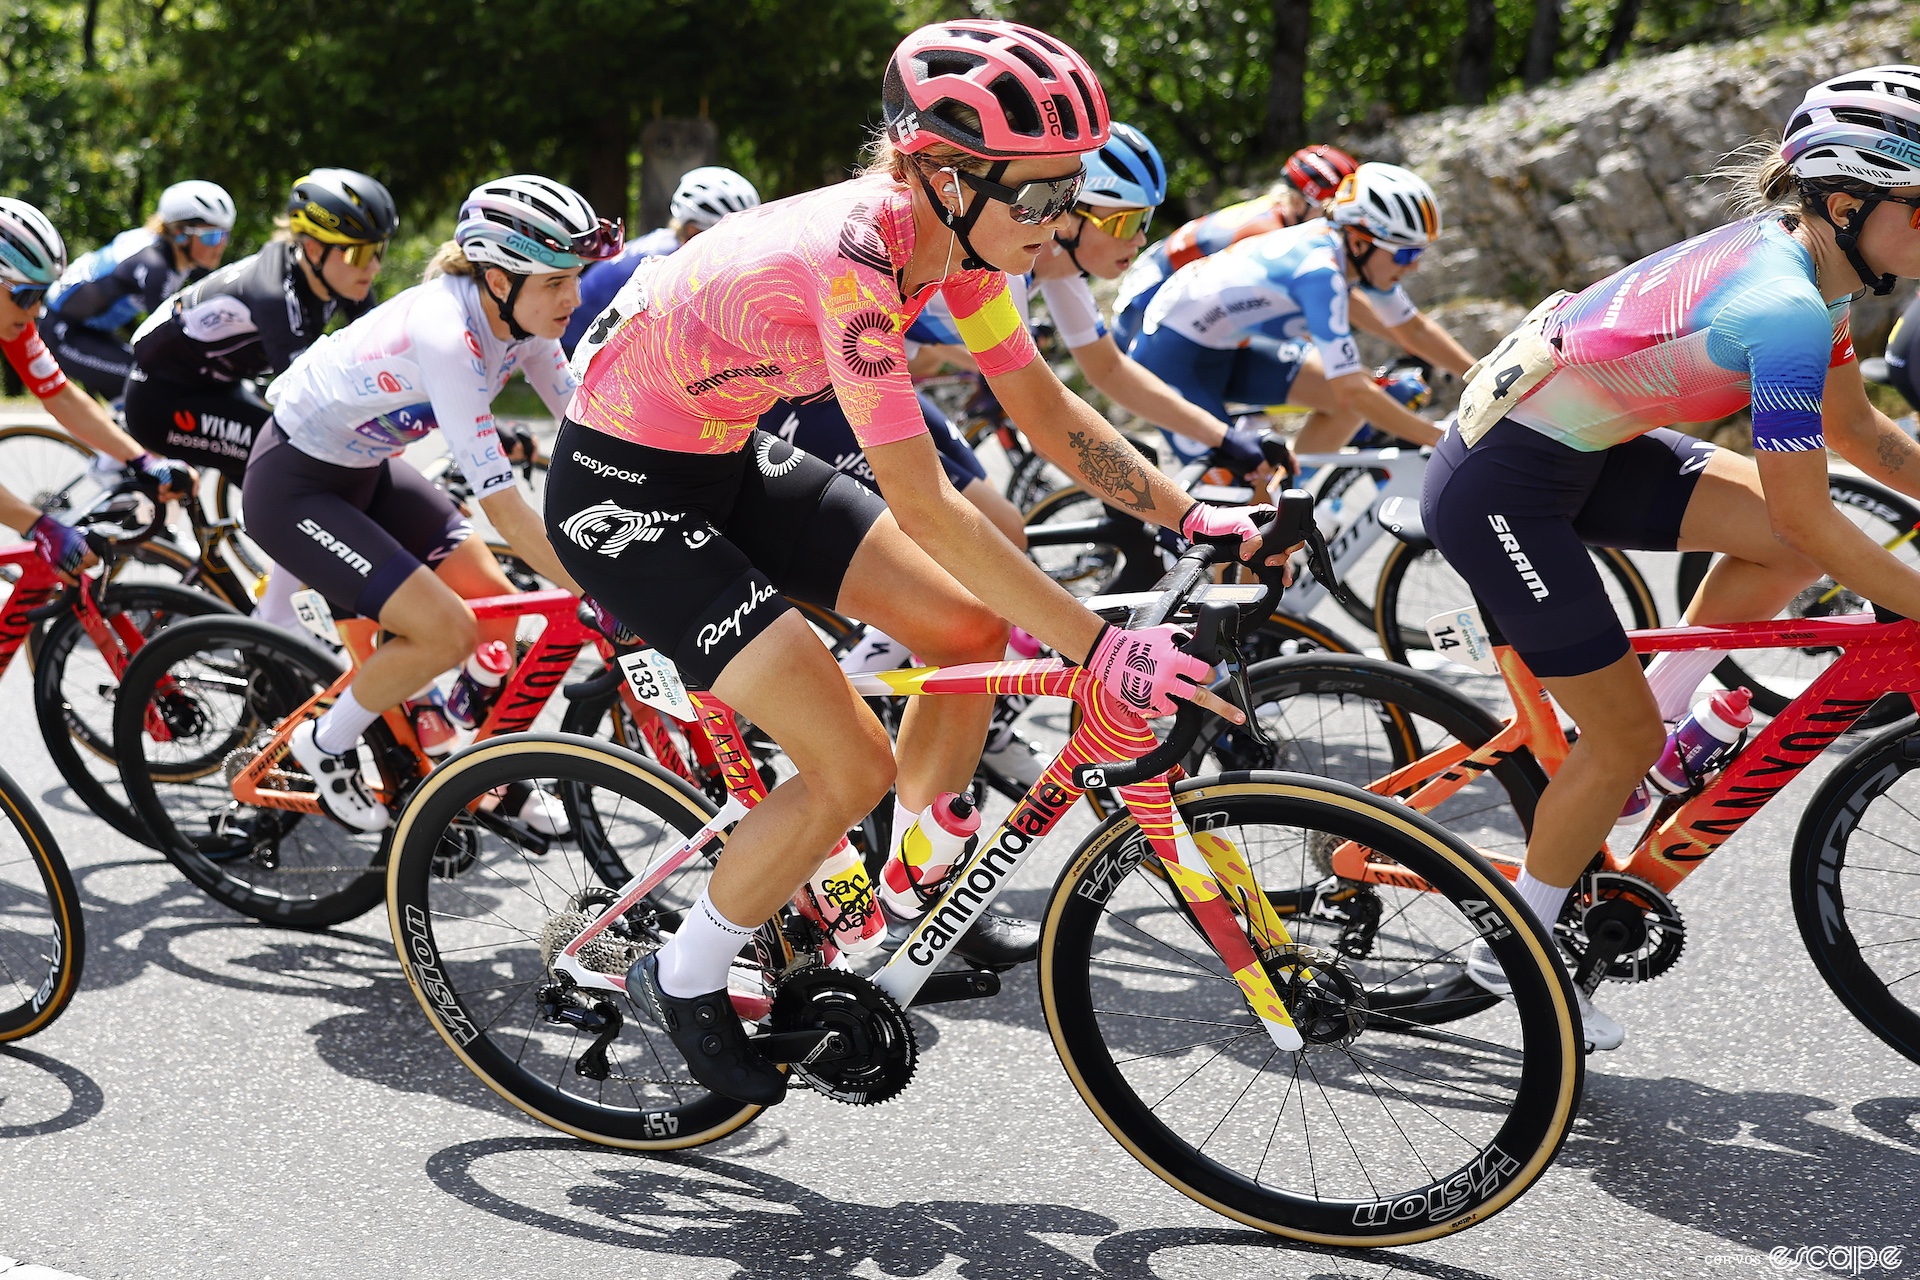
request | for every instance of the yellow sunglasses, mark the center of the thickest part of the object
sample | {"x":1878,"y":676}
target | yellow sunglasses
{"x":359,"y":255}
{"x":1122,"y":224}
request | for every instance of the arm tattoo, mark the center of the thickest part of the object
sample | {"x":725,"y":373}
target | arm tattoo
{"x":1114,"y":468}
{"x":1895,"y":448}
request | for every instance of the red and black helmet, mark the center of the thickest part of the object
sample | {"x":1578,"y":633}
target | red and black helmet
{"x":1316,"y":171}
{"x":1034,"y":96}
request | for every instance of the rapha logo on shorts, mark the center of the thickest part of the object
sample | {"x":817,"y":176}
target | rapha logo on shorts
{"x":714,"y":632}
{"x":763,"y":458}
{"x":609,"y":528}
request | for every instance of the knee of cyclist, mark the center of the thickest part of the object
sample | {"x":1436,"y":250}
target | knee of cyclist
{"x":975,"y":634}
{"x":859,"y":779}
{"x":455,"y":635}
{"x":1648,"y":738}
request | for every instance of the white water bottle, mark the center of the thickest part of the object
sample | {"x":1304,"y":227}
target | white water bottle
{"x":478,"y":683}
{"x":842,"y":895}
{"x":926,"y":851}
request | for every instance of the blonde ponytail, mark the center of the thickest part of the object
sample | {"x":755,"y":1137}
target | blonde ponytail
{"x":448,"y":260}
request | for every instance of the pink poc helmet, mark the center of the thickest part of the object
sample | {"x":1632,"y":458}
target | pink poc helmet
{"x":1034,"y":96}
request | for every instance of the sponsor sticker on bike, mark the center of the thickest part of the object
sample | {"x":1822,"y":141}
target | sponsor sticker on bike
{"x":1460,"y":636}
{"x":311,"y":608}
{"x":656,"y":682}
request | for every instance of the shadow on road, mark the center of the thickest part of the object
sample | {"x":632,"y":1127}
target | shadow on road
{"x":1753,"y":1168}
{"x":698,"y":1206}
{"x":41,"y":1094}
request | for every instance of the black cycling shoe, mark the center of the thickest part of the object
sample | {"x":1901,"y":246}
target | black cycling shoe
{"x":708,"y":1034}
{"x":994,"y":942}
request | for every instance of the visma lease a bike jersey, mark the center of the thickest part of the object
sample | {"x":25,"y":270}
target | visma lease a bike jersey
{"x":1287,"y":285}
{"x":425,"y":358}
{"x":1190,"y":242}
{"x":773,"y":304}
{"x":1692,"y":334}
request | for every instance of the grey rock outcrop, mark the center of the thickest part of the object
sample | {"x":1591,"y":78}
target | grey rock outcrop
{"x":1563,"y":185}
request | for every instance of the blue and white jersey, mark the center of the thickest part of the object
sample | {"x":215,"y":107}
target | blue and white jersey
{"x":425,"y":358}
{"x":1288,"y":285}
{"x":119,"y":282}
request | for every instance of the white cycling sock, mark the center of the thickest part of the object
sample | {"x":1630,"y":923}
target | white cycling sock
{"x":874,"y":651}
{"x":1676,"y":677}
{"x":276,"y":602}
{"x":1545,"y":899}
{"x":340,"y":728}
{"x":903,"y":818}
{"x":698,"y":955}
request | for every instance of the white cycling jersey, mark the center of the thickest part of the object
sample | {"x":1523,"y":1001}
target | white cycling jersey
{"x":425,"y":358}
{"x":1289,"y":285}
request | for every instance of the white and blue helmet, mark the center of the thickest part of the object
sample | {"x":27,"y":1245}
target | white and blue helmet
{"x":1861,"y":128}
{"x":197,"y":201}
{"x":1126,"y":173}
{"x":31,"y":251}
{"x":530,"y":225}
{"x":709,"y":193}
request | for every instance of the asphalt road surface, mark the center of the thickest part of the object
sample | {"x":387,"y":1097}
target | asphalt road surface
{"x":228,"y":1100}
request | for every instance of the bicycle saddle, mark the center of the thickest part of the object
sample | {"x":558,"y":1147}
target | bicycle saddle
{"x":1401,"y":518}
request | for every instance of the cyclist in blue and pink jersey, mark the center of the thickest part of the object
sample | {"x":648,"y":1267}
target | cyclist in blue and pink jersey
{"x":1308,"y":181}
{"x":1267,"y":321}
{"x":691,"y":525}
{"x":1562,"y":440}
{"x":704,"y":196}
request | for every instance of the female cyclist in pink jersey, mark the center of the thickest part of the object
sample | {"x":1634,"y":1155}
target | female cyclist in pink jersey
{"x":690,"y":526}
{"x":1562,"y":439}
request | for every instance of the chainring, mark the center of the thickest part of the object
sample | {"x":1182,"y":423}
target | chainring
{"x":873,"y":1053}
{"x":1666,"y":934}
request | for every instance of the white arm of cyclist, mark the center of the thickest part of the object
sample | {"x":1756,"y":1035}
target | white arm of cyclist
{"x":1866,"y":437}
{"x":1420,"y":336}
{"x":1139,"y":391}
{"x":517,"y":522}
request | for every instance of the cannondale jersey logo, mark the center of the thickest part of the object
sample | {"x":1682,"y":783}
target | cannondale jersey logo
{"x":763,"y":457}
{"x":609,"y":528}
{"x":867,"y":344}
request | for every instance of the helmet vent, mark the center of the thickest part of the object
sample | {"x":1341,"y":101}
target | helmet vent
{"x":1069,"y":119}
{"x":1879,"y":120}
{"x":1022,"y":115}
{"x":1033,"y":60}
{"x":946,"y":62}
{"x":1086,"y":95}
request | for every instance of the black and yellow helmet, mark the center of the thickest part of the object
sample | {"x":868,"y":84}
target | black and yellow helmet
{"x":342,"y":206}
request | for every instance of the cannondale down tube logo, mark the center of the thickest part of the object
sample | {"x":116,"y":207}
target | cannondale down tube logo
{"x":610,"y":528}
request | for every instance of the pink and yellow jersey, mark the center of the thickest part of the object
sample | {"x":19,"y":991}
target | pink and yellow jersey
{"x":1692,"y":334}
{"x":776,"y":303}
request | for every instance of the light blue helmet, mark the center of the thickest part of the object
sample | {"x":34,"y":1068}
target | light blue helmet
{"x":1127,"y":172}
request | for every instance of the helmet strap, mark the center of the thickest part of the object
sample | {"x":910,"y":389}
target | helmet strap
{"x":1073,"y":244}
{"x":1847,"y":238}
{"x":505,"y":305}
{"x":1360,"y":256}
{"x":962,"y":223}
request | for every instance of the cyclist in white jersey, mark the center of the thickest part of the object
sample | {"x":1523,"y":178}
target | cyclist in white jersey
{"x":1269,"y":320}
{"x":329,"y":497}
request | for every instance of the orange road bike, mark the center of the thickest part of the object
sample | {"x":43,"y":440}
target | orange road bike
{"x":1260,"y":1065}
{"x":1855,"y":870}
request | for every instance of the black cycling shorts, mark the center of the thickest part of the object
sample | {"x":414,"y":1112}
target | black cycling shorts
{"x":211,"y":425}
{"x":819,"y":425}
{"x":352,"y":533}
{"x":96,"y":360}
{"x":694,"y":551}
{"x":1514,"y":516}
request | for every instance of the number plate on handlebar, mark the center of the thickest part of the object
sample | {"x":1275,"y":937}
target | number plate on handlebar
{"x":656,"y":682}
{"x":1460,"y":636}
{"x":1227,"y":593}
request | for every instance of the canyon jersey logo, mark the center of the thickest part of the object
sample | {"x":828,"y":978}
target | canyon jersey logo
{"x":609,"y":528}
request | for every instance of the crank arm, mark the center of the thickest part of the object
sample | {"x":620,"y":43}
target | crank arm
{"x":796,"y":1047}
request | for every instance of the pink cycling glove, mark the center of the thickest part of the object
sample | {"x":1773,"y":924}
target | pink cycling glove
{"x":1206,"y":521}
{"x":1145,"y":669}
